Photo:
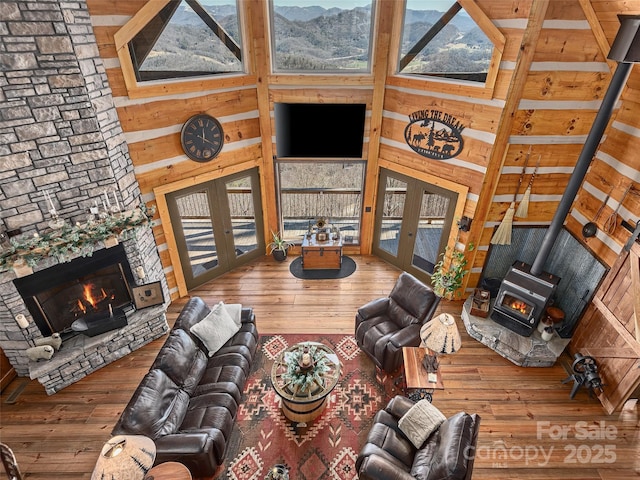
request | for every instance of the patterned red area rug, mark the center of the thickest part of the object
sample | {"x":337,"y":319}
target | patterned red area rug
{"x":328,"y":446}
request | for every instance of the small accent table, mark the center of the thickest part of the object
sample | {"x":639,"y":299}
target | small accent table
{"x":304,"y":406}
{"x":317,"y":255}
{"x":168,"y":471}
{"x":417,"y":382}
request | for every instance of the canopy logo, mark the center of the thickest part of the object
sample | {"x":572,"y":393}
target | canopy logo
{"x":434,"y":134}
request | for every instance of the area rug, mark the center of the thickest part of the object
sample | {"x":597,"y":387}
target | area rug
{"x":347,"y":267}
{"x":328,"y":446}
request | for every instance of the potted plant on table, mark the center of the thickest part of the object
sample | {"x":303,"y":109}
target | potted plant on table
{"x":447,"y":277}
{"x":278,"y":246}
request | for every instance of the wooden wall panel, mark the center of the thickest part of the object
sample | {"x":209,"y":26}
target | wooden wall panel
{"x":628,"y":113}
{"x":115,"y":7}
{"x":618,"y":142}
{"x":567,"y":46}
{"x":158,"y":113}
{"x":565,"y":10}
{"x":573,"y":75}
{"x":116,"y":82}
{"x":565,"y":86}
{"x":505,"y":10}
{"x":444,"y":170}
{"x":188,"y":169}
{"x":553,"y":122}
{"x":472,"y":115}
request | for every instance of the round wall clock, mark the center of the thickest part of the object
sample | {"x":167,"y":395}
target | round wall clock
{"x":202,"y":137}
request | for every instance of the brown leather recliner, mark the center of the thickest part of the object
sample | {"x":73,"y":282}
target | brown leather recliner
{"x":385,"y":325}
{"x":448,"y":453}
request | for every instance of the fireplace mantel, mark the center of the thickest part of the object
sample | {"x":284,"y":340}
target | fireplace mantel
{"x":70,"y":241}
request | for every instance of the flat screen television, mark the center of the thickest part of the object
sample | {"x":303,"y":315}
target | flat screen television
{"x":324,"y":130}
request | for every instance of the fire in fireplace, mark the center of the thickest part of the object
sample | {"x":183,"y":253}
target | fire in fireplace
{"x":522,"y":298}
{"x":88,"y":288}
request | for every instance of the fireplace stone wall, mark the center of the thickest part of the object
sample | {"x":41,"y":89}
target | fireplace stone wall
{"x":60,"y":133}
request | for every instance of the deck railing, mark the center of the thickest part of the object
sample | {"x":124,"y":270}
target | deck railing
{"x":302,"y":207}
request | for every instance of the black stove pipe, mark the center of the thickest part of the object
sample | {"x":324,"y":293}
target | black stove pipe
{"x":625,"y":49}
{"x":582,"y":165}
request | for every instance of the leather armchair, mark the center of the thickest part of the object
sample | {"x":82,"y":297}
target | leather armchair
{"x":448,"y":453}
{"x":385,"y":325}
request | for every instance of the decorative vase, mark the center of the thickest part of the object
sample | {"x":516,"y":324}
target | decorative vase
{"x":547,"y":334}
{"x":544,"y":323}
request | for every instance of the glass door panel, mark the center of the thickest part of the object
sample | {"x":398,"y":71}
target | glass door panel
{"x":244,"y":230}
{"x":197,"y":240}
{"x":431,"y":221}
{"x":392,"y":211}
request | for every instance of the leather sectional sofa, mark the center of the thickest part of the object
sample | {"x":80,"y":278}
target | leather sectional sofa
{"x":187,"y":402}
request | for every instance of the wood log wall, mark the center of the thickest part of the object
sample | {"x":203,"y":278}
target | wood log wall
{"x":552,"y":76}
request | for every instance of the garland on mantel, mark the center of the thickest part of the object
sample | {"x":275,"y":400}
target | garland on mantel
{"x":71,"y":241}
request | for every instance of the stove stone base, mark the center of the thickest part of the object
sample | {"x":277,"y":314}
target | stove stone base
{"x":523,"y":351}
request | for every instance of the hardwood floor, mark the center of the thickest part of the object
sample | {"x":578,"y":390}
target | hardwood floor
{"x":530,"y":427}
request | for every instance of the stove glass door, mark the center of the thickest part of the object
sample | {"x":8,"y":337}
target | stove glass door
{"x":516,"y":305}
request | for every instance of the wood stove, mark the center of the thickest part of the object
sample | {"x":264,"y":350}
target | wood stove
{"x":523,"y":298}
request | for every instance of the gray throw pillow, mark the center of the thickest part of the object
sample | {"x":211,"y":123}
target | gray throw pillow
{"x":215,"y":329}
{"x":420,"y":421}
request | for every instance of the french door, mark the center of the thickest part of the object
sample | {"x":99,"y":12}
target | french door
{"x":413,"y":221}
{"x":217,"y":225}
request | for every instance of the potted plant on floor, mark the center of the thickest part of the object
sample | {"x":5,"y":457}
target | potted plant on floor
{"x":278,"y":246}
{"x":447,"y":277}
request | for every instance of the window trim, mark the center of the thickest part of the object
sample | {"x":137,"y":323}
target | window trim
{"x":151,"y":88}
{"x":492,"y":32}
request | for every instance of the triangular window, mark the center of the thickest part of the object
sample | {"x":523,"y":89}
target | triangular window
{"x":188,"y":38}
{"x":443,"y":39}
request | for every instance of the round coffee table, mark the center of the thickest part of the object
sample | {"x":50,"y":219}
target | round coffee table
{"x":305,"y":405}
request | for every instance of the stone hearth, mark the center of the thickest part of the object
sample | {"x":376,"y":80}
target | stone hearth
{"x":82,"y":355}
{"x":523,"y":351}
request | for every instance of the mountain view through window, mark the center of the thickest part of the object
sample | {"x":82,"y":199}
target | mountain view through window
{"x":329,"y":35}
{"x":189,"y":38}
{"x":440,"y":39}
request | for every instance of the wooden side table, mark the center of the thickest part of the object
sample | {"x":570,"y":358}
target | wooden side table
{"x":417,"y":384}
{"x":169,"y":471}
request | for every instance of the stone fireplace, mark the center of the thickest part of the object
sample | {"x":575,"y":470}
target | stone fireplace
{"x":62,"y":155}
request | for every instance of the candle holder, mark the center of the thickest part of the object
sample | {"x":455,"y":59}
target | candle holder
{"x":56,"y":223}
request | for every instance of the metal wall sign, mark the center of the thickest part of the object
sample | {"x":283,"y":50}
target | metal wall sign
{"x":434,"y":134}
